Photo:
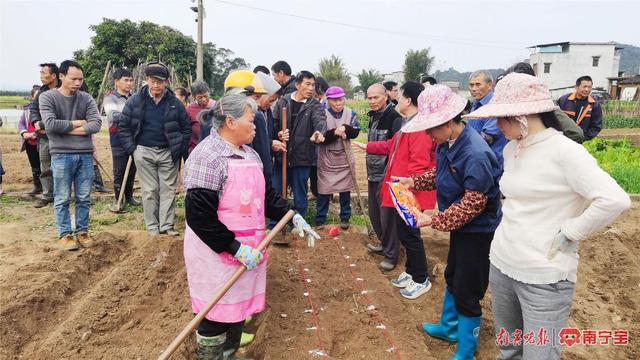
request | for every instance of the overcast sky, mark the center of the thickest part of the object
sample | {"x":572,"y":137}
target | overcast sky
{"x":466,"y":35}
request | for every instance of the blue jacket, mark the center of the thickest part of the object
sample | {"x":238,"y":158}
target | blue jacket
{"x":469,"y":165}
{"x":589,"y":120}
{"x":262,"y":141}
{"x":488,"y":129}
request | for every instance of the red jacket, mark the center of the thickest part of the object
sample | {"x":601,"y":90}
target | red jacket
{"x":193,"y":110}
{"x":415,"y":153}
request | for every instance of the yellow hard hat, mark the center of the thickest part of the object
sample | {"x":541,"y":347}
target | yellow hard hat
{"x":244,"y":79}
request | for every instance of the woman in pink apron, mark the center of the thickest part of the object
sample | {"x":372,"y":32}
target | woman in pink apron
{"x":334,"y":174}
{"x":225,"y":206}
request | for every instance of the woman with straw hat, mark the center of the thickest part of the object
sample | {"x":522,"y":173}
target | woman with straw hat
{"x":556,"y":195}
{"x":466,"y":182}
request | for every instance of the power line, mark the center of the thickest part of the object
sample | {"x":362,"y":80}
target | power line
{"x":473,"y":42}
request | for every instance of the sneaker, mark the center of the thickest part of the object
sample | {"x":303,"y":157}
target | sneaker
{"x":402,"y":281}
{"x":344,"y":224}
{"x":40,"y":203}
{"x":170,"y":232}
{"x":374,"y":248}
{"x":68,"y":243}
{"x":103,"y":190}
{"x":414,"y":290}
{"x":153,"y":233}
{"x":386,"y":266}
{"x":84,"y":240}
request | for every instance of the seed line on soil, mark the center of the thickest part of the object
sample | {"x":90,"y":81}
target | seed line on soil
{"x":368,"y":302}
{"x":314,"y":313}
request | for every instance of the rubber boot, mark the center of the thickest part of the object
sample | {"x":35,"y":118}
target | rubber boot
{"x":98,"y":184}
{"x":468,"y":331}
{"x":231,"y":346}
{"x":447,"y":328}
{"x":37,"y":185}
{"x":210,"y":347}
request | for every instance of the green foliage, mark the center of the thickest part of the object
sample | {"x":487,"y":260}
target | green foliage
{"x":13,"y":101}
{"x":335,"y":72}
{"x":14,"y":93}
{"x":361,"y":107}
{"x":126,"y":42}
{"x":417,"y":62}
{"x":369,"y":77}
{"x":618,"y":122}
{"x":620,"y":159}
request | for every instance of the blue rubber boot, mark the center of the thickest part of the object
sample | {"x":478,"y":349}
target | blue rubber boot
{"x":468,"y":331}
{"x":447,"y":328}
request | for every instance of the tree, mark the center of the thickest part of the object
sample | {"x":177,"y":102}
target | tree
{"x":126,"y":42}
{"x":369,"y":77}
{"x":417,"y":62}
{"x":334,"y":71}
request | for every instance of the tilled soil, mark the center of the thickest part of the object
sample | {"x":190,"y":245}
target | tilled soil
{"x":126,"y":298}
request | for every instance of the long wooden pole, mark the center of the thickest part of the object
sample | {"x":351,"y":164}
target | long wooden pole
{"x":351,"y":160}
{"x":102,"y":85}
{"x":283,"y":119}
{"x":193,"y":324}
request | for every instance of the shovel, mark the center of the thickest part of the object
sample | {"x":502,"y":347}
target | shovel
{"x":119,"y":206}
{"x":368,"y":231}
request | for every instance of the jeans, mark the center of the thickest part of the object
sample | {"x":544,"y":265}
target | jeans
{"x":68,"y":170}
{"x":297,"y":180}
{"x":322,"y":207}
{"x":158,"y":175}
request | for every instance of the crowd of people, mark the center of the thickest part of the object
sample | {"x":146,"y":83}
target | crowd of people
{"x":504,"y":174}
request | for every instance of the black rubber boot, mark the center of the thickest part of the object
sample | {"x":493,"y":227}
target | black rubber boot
{"x":210,"y":347}
{"x":232,"y":344}
{"x":98,"y":184}
{"x":37,"y":185}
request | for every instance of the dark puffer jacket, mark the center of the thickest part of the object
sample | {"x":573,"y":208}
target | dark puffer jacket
{"x":382,"y":126}
{"x":311,"y":118}
{"x":177,"y":127}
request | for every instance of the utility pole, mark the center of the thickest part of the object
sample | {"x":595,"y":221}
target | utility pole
{"x":200,"y":58}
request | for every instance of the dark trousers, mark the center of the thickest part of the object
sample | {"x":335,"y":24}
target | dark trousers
{"x":416,"y":264}
{"x":297,"y":180}
{"x":467,"y":271}
{"x":374,"y":202}
{"x":33,"y":155}
{"x":120,"y":158}
{"x":322,"y":207}
{"x":313,"y":176}
{"x":389,"y":238}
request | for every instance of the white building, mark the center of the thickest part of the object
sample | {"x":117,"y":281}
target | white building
{"x":560,"y":64}
{"x":397,"y":76}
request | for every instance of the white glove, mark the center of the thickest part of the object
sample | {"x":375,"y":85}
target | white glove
{"x":562,"y":243}
{"x":301,"y":227}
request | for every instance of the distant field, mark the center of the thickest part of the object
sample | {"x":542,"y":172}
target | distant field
{"x":12,"y":102}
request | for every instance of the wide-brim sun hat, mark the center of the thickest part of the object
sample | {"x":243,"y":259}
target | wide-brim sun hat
{"x":335,"y":92}
{"x":517,"y":95}
{"x":437,"y":104}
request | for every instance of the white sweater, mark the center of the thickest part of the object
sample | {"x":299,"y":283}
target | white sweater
{"x":547,"y":188}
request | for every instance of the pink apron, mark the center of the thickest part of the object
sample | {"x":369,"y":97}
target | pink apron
{"x":241,"y":210}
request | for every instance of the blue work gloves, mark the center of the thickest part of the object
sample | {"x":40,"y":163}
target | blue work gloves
{"x":301,"y":227}
{"x":562,"y":243}
{"x":248,"y":256}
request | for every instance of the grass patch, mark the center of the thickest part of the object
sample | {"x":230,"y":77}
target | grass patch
{"x":620,"y":159}
{"x":13,"y":102}
{"x":621,"y":122}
